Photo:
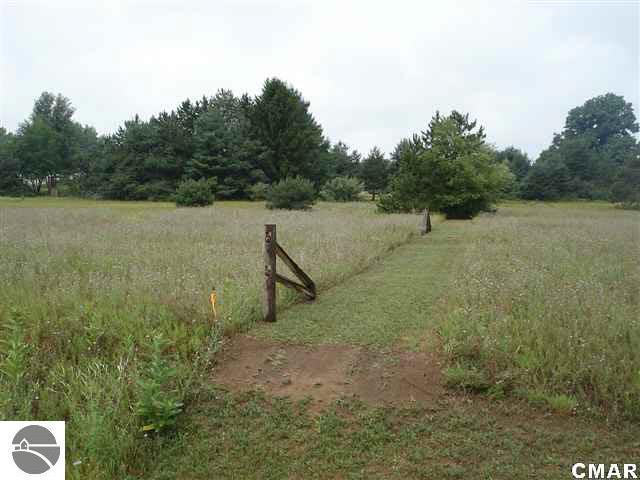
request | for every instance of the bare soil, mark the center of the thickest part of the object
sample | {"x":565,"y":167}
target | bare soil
{"x":324,"y":373}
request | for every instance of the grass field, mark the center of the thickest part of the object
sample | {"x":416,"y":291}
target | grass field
{"x":251,"y":436}
{"x":143,"y":253}
{"x":88,"y":288}
{"x":546,"y":301}
{"x":104,"y":317}
{"x":485,"y":293}
{"x":541,"y":300}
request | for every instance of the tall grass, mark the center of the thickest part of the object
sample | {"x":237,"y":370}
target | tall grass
{"x":546,"y":301}
{"x":86,"y":292}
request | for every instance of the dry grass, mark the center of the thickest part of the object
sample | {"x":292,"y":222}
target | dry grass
{"x":86,"y":286}
{"x":546,"y":300}
{"x":174,"y":257}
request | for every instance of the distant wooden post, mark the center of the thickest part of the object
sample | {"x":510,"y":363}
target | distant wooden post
{"x":269,"y":305}
{"x":425,"y":226}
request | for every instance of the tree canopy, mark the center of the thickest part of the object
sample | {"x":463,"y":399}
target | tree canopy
{"x":517,"y":161}
{"x":245,"y":144}
{"x":586,"y":158}
{"x":49,"y":142}
{"x":602,"y":119}
{"x":240,"y":141}
{"x":10,"y":167}
{"x":292,"y":139}
{"x":448,"y":168}
{"x":375,"y":172}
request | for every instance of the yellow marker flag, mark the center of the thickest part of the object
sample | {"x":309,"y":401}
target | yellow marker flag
{"x":212,"y":300}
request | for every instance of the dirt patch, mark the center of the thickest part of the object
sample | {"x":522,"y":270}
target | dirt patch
{"x":325,"y":373}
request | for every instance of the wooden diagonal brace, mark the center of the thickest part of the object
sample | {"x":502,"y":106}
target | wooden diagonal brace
{"x":298,"y":272}
{"x":296,"y":286}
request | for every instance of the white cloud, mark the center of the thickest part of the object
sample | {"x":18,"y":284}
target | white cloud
{"x":373,"y":71}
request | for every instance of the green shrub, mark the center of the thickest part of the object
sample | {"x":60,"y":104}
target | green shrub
{"x":389,"y":204}
{"x":159,"y":402}
{"x":292,"y":193}
{"x":258,"y":191}
{"x":155,"y":190}
{"x":195,"y":193}
{"x":559,"y":403}
{"x":342,"y":189}
{"x":9,"y":188}
{"x":14,"y":368}
{"x":625,"y":190}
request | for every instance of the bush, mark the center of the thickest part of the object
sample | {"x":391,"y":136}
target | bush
{"x":258,"y":191}
{"x":389,"y":204}
{"x":195,"y":193}
{"x":626,"y":189}
{"x":342,"y":189}
{"x":18,"y":190}
{"x":559,"y":403}
{"x":292,"y":193}
{"x":155,"y":190}
{"x":10,"y":182}
{"x":467,"y":208}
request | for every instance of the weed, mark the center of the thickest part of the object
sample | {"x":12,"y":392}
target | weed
{"x":159,"y":402}
{"x":559,"y":403}
{"x":14,"y":367}
{"x":466,"y":378}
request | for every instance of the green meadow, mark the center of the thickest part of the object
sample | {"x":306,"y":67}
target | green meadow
{"x":533,"y":311}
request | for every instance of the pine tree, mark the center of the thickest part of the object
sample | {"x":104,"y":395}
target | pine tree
{"x":293,"y":140}
{"x":223,"y":150}
{"x":341,"y":162}
{"x":375,"y":172}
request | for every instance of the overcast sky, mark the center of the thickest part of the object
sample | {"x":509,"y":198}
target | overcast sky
{"x":374,"y":72}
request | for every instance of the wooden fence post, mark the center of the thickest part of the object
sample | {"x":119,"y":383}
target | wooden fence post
{"x":272,"y":250}
{"x":269,"y":305}
{"x":425,"y":225}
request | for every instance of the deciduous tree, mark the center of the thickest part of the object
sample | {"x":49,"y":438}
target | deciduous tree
{"x":596,"y":142}
{"x":10,"y":167}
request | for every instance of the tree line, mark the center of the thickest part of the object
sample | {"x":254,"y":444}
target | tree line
{"x":596,"y":156}
{"x":245,"y":144}
{"x":240,"y":141}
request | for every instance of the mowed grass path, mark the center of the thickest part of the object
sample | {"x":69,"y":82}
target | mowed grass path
{"x":251,"y":436}
{"x":387,"y":305}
